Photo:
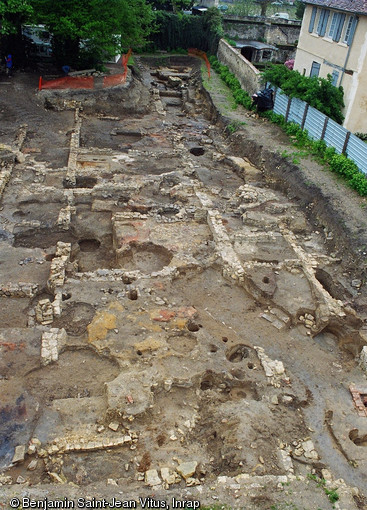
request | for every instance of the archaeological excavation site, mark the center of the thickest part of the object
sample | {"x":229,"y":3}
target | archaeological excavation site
{"x":183,"y":310}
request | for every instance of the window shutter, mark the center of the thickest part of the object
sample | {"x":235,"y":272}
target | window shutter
{"x":321,"y":28}
{"x":315,"y":69}
{"x":352,"y":31}
{"x":312,"y":20}
{"x":339,"y":27}
{"x":335,"y":77}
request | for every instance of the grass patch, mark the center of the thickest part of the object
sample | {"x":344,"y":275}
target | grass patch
{"x":321,"y":482}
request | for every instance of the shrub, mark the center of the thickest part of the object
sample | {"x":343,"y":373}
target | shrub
{"x":240,"y":96}
{"x":317,"y":92}
{"x":345,"y":167}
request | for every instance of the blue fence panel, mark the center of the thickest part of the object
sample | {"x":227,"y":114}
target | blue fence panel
{"x":335,"y":136}
{"x":357,"y":151}
{"x":281,"y":103}
{"x":314,"y":123}
{"x":297,"y":111}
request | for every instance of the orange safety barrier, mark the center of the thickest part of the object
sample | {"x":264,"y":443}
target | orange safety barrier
{"x":68,"y":82}
{"x":87,"y":82}
{"x":118,"y":79}
{"x":114,"y":79}
{"x":201,"y":54}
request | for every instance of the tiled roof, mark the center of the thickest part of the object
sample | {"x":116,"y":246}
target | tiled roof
{"x":354,"y":6}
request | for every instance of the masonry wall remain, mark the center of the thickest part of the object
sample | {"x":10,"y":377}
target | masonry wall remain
{"x":245,"y":72}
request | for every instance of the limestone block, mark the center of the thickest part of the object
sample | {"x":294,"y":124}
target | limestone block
{"x":152,"y":477}
{"x":19,"y":454}
{"x":363,"y":358}
{"x":187,"y":469}
{"x":50,"y":345}
{"x":168,"y":476}
{"x":44,"y":312}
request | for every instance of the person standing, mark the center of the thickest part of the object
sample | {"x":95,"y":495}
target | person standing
{"x":9,"y":65}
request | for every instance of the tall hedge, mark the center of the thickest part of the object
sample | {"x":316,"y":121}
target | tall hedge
{"x":317,"y":92}
{"x":184,"y":31}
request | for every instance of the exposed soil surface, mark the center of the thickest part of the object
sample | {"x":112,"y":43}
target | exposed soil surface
{"x":182,"y":311}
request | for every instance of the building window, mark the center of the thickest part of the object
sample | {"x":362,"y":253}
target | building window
{"x":321,"y":27}
{"x":315,"y":69}
{"x":335,"y":77}
{"x":336,"y":26}
{"x":333,"y":25}
{"x":350,"y":30}
{"x":312,"y":19}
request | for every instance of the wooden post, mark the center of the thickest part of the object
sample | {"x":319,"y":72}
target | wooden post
{"x":345,"y":146}
{"x":288,"y":108}
{"x":324,"y":128}
{"x":304,"y":116}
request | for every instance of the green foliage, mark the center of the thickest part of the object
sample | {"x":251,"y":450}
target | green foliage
{"x":255,"y":8}
{"x":240,"y":96}
{"x":332,"y":495}
{"x":362,"y":136}
{"x":242,"y":8}
{"x":317,"y":92}
{"x":185,"y":31}
{"x":234,"y":126}
{"x":338,"y":163}
{"x":171,"y":5}
{"x":345,"y":167}
{"x":230,"y":41}
{"x":12,"y":14}
{"x":85,"y":32}
{"x":321,"y":482}
{"x":300,"y":9}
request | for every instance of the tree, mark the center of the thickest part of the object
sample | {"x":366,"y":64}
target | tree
{"x":264,"y":6}
{"x":241,"y":8}
{"x":300,"y":9}
{"x":171,"y":5}
{"x":86,"y":32}
{"x":13,"y":13}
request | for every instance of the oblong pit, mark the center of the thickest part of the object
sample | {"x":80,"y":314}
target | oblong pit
{"x":197,"y":151}
{"x":89,"y":245}
{"x":147,"y":258}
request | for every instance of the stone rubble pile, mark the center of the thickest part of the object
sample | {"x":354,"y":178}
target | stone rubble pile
{"x":274,"y":369}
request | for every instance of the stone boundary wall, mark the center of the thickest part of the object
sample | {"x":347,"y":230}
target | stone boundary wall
{"x":273,"y":30}
{"x":245,"y":72}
